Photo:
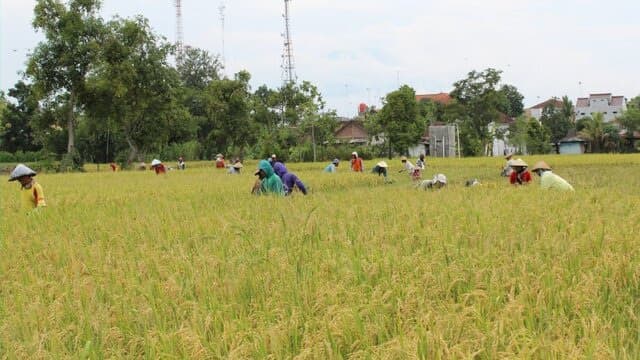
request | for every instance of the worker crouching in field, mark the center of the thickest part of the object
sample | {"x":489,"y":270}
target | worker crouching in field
{"x":31,"y":192}
{"x":158,"y":166}
{"x":235,"y":168}
{"x":439,"y":181}
{"x":520,"y":175}
{"x":333,"y":167}
{"x":549,"y":180}
{"x":381,"y":170}
{"x":268,"y":182}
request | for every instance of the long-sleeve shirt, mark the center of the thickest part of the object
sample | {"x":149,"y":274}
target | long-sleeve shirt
{"x":290,"y":181}
{"x":549,"y":180}
{"x":356,"y":164}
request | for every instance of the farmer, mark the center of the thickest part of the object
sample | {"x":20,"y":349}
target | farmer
{"x":438,"y":181}
{"x":549,"y":180}
{"x":220,"y":161}
{"x":421,"y":164}
{"x":273,"y":159}
{"x":381,"y":169}
{"x":235,"y":168}
{"x":356,"y":162}
{"x":158,"y":166}
{"x":507,"y":169}
{"x":279,"y":168}
{"x":331,"y":168}
{"x":269,"y":182}
{"x":181,"y":164}
{"x":412,"y":170}
{"x":31,"y":192}
{"x":520,"y":175}
{"x":113,"y":166}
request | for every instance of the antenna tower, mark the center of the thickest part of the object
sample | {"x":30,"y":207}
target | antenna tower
{"x":221,"y":11}
{"x":288,"y":74}
{"x":179,"y":35}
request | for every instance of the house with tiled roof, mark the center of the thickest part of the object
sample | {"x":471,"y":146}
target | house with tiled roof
{"x":610,"y":106}
{"x":536,"y":110}
{"x":440,"y":98}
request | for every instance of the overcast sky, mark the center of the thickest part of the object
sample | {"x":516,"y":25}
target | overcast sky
{"x":357,"y":51}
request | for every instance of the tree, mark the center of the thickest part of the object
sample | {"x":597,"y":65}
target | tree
{"x":518,"y":135}
{"x":512,"y":104}
{"x":538,"y":138}
{"x":594,"y":132}
{"x":398,"y":121}
{"x":481,"y":101}
{"x":198,"y":68}
{"x":61,"y":63}
{"x":227,"y":107}
{"x":556,"y":122}
{"x":568,"y":111}
{"x":630,"y":122}
{"x":135,"y":92}
{"x":16,"y":132}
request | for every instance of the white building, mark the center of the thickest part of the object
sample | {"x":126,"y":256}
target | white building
{"x":536,"y":110}
{"x":610,"y":106}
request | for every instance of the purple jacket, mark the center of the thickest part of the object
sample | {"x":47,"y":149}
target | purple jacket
{"x":290,"y":180}
{"x":279,"y":169}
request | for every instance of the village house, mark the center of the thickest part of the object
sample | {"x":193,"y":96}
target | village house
{"x":610,"y":106}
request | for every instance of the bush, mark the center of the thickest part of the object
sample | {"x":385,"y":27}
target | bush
{"x":7,"y":157}
{"x":191,"y":150}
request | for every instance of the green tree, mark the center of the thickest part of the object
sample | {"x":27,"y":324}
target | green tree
{"x":568,"y":111}
{"x":398,"y":121}
{"x":512,"y":104}
{"x":69,"y":53}
{"x":16,"y":132}
{"x":135,"y":91}
{"x":594,"y":132}
{"x":518,"y":133}
{"x":482,"y":102}
{"x":198,"y":68}
{"x":558,"y":124}
{"x":630,"y":122}
{"x":227,"y":107}
{"x":538,"y":138}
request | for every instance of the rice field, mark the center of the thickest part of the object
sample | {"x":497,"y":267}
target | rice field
{"x":191,"y":265}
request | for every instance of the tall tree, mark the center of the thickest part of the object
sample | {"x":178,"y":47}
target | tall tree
{"x":630,"y":121}
{"x":538,"y":138}
{"x":62,"y":62}
{"x":135,"y":90}
{"x":16,"y":132}
{"x":482,"y":102}
{"x":555,"y":120}
{"x":398,"y":121}
{"x":512,"y":104}
{"x":198,"y":68}
{"x":568,"y":111}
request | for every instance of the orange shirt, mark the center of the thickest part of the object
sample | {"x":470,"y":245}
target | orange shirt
{"x":356,"y":164}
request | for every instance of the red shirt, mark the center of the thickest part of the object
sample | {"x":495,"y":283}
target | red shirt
{"x":520,"y":178}
{"x":160,"y":169}
{"x":356,"y":164}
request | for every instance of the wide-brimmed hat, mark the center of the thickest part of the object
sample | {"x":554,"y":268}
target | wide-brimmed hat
{"x":519,"y":162}
{"x":155,"y":162}
{"x":20,"y":171}
{"x":335,"y":161}
{"x":239,"y":165}
{"x":509,"y":156}
{"x":441,"y":178}
{"x":403,"y":158}
{"x":273,"y":156}
{"x":219,"y":156}
{"x":382,"y":164}
{"x":541,"y":165}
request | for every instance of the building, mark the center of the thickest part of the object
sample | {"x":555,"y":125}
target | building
{"x":351,"y":132}
{"x":440,"y":98}
{"x":610,"y":106}
{"x":571,"y":145}
{"x":536,"y":110}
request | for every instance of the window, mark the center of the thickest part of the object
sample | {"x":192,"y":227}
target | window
{"x":615,"y":112}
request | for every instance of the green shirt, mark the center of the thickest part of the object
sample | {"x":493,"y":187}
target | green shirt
{"x":549,"y":180}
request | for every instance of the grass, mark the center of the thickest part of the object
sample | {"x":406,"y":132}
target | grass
{"x":190,"y":265}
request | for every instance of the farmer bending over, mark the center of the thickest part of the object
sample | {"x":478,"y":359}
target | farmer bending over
{"x":31,"y":192}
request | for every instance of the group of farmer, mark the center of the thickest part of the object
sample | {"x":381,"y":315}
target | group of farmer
{"x":519,"y":174}
{"x":275,"y":178}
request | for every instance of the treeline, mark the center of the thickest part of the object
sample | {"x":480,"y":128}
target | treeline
{"x":101,"y":91}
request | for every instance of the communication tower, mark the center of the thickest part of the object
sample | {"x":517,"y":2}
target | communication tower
{"x":288,"y":74}
{"x":179,"y":34}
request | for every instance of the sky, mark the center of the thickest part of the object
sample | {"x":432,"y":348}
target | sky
{"x":358,"y":51}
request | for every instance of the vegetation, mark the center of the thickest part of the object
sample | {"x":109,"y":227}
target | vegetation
{"x":190,"y":265}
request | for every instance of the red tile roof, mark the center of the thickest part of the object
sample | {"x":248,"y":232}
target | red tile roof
{"x":553,"y":101}
{"x":582,"y":102}
{"x":442,"y":98}
{"x":617,"y":100}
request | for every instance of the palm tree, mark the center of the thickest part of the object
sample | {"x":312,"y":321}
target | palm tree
{"x":568,"y":112}
{"x":594,"y":132}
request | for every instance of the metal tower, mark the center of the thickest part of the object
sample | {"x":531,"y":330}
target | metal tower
{"x":179,"y":34}
{"x":288,"y":74}
{"x":221,"y":11}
